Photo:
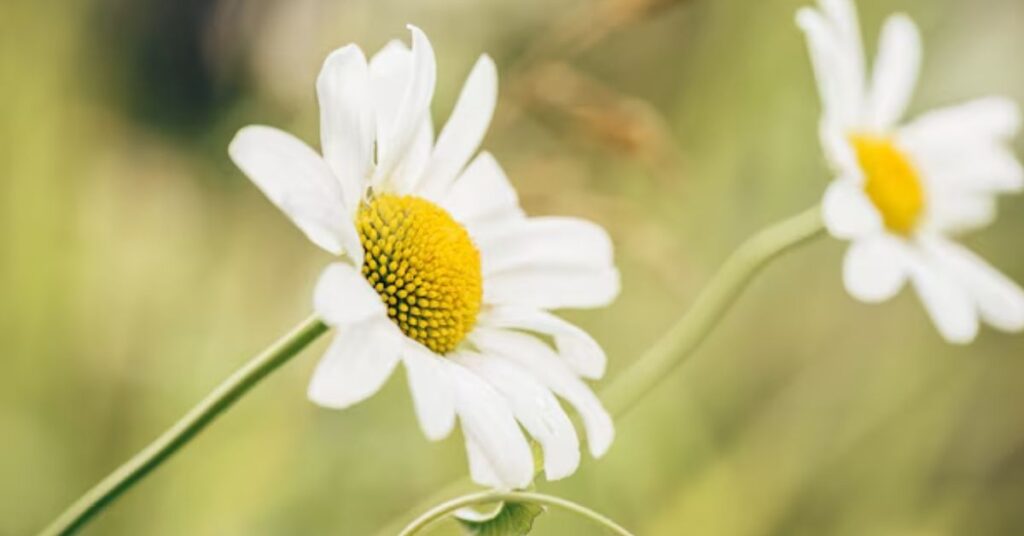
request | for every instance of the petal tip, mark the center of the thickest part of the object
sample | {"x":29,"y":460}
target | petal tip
{"x":601,"y":447}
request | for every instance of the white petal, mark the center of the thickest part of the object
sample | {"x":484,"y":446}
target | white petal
{"x":433,"y":392}
{"x":390,"y":70}
{"x":410,"y":169}
{"x":956,"y":211}
{"x":389,"y":76}
{"x":988,"y":120}
{"x":342,"y":296}
{"x":833,"y":36}
{"x":539,"y":360}
{"x":947,"y":302}
{"x":843,"y":16}
{"x":464,"y":130}
{"x":825,"y":58}
{"x":480,"y":468}
{"x":347,"y":120}
{"x":555,"y":242}
{"x":298,"y":182}
{"x":975,"y":167}
{"x":875,"y":268}
{"x":995,"y":168}
{"x":838,"y":151}
{"x":478,"y":514}
{"x":535,"y":407}
{"x":847,"y":211}
{"x":482,"y":195}
{"x":357,"y":363}
{"x":553,"y":288}
{"x":896,"y":70}
{"x":574,"y":345}
{"x":490,"y":425}
{"x":394,"y":138}
{"x":999,"y":299}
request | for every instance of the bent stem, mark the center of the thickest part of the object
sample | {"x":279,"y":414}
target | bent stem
{"x":226,"y":394}
{"x":686,"y":335}
{"x":475,"y":499}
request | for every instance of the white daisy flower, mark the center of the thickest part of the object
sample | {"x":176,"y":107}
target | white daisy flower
{"x":439,"y":268}
{"x":902,"y":190}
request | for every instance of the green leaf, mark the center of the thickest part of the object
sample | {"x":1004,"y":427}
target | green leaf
{"x":508,"y":519}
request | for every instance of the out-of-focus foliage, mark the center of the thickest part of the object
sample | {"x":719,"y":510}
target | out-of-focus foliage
{"x":138,"y":268}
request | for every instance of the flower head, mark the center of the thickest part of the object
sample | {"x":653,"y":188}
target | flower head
{"x":902,"y":191}
{"x":439,"y":269}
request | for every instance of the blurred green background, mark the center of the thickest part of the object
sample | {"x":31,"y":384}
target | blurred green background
{"x":139,"y":268}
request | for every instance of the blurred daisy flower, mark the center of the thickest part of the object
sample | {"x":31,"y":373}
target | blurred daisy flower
{"x":439,"y":268}
{"x":902,"y":190}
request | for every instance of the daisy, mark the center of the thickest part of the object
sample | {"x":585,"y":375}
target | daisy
{"x":438,"y":268}
{"x":902,"y":191}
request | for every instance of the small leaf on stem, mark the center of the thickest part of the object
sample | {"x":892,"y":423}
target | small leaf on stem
{"x":507,"y":519}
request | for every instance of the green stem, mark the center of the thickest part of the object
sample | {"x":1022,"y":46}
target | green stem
{"x":680,"y":341}
{"x":686,"y":335}
{"x":475,"y":499}
{"x":226,"y":394}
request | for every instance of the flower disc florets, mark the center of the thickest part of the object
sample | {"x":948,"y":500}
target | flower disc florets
{"x":424,"y":266}
{"x":891,"y":182}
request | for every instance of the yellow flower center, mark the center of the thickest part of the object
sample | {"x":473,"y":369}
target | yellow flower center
{"x":424,"y":266}
{"x":890,"y":181}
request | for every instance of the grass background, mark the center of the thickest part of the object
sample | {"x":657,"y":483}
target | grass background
{"x":138,"y":268}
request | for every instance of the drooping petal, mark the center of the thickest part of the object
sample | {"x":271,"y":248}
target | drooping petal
{"x":464,"y":130}
{"x":896,"y":71}
{"x":875,"y":268}
{"x":343,"y":297}
{"x":433,"y":390}
{"x":395,"y":137}
{"x":534,"y":407}
{"x":540,"y":361}
{"x":944,"y":298}
{"x":347,"y":120}
{"x":356,"y":364}
{"x":847,"y":211}
{"x":482,"y":196}
{"x":488,"y":422}
{"x":553,"y":287}
{"x":999,"y":300}
{"x":554,"y":242}
{"x":574,"y":345}
{"x":299,"y":183}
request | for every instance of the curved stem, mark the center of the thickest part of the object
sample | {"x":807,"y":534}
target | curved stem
{"x":474,"y":499}
{"x":686,"y":335}
{"x":226,"y":394}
